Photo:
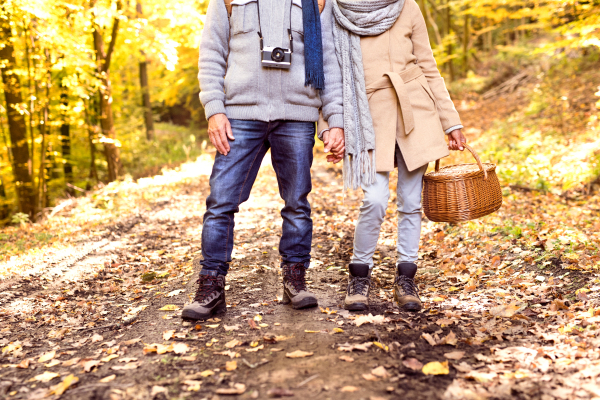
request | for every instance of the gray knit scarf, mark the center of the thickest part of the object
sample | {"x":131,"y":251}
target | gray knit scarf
{"x":355,"y":18}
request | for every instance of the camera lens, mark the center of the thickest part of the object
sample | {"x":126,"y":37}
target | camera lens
{"x":277,"y":55}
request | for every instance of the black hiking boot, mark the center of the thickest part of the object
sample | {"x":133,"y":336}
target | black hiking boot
{"x":209,"y":299}
{"x":294,"y":287}
{"x":405,"y":290}
{"x":359,"y":283}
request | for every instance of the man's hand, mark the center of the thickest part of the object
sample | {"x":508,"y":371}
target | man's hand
{"x":219,"y":130}
{"x":456,"y":140}
{"x":334,"y":143}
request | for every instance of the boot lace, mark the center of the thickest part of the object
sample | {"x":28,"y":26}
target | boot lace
{"x":206,"y":286}
{"x":359,"y":285}
{"x":294,"y":274}
{"x":408,"y":285}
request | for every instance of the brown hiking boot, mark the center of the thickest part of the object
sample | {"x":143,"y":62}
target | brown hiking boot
{"x":405,"y":290}
{"x":294,"y":287}
{"x":209,"y":299}
{"x":359,"y":283}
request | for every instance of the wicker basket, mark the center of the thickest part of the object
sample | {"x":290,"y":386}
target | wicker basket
{"x":461,"y":192}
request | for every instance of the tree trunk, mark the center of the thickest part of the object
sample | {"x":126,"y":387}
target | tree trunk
{"x":111,"y":150}
{"x":466,"y":36}
{"x":65,"y":138}
{"x":148,"y":120}
{"x":16,"y":122}
{"x":450,"y":49}
{"x":430,"y":21}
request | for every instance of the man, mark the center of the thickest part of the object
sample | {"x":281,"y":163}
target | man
{"x":266,"y":68}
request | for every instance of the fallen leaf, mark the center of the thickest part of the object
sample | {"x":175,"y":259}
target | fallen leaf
{"x":229,"y":353}
{"x":47,"y":356}
{"x":506,"y":311}
{"x":257,"y":348}
{"x":71,"y":362}
{"x":370,"y":377}
{"x":454,"y":355}
{"x":232,"y":343}
{"x":231,"y":365}
{"x":436,"y":368}
{"x":299,"y":354}
{"x":449,"y":339}
{"x":380,"y":372}
{"x":481,"y":376}
{"x":428,"y":338}
{"x":169,"y":307}
{"x":346,"y":358}
{"x":370,"y":319}
{"x":338,"y":330}
{"x":189,"y":358}
{"x":175,"y":292}
{"x":107,"y":379}
{"x":192,"y":386}
{"x":238,"y":388}
{"x":167,"y":335}
{"x":24,"y":364}
{"x":362,"y":347}
{"x":412,"y":363}
{"x":52,"y":363}
{"x":47,"y":376}
{"x":180,"y":348}
{"x":108,"y":358}
{"x":132,"y":341}
{"x":128,"y":366}
{"x":207,"y":373}
{"x":229,"y":328}
{"x":97,"y":338}
{"x":349,"y":389}
{"x":88,"y":365}
{"x":62,"y":387}
{"x":213,"y":326}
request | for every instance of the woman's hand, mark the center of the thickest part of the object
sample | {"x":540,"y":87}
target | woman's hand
{"x":456,"y":140}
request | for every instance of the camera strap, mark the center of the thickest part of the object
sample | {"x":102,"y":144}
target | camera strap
{"x":289,"y":29}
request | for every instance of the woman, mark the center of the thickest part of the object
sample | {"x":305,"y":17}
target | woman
{"x":396,"y":111}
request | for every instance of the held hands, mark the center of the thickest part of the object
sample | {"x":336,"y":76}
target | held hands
{"x":219,"y":131}
{"x":456,"y":140}
{"x":334,"y":142}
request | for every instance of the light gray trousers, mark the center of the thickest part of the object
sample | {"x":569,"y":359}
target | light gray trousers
{"x":373,"y":210}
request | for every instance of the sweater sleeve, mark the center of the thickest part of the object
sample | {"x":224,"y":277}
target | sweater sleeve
{"x":212,"y":63}
{"x":331,"y":96}
{"x":422,"y":50}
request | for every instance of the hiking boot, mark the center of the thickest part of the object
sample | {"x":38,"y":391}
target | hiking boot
{"x":209,"y":299}
{"x":294,"y":287}
{"x":405,"y":290}
{"x":359,"y":283}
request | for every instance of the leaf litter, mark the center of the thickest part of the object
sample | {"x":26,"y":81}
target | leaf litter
{"x":505,"y":314}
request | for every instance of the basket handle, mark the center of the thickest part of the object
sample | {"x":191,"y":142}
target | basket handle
{"x":437,"y":162}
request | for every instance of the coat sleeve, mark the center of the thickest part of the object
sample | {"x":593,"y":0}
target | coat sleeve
{"x":331,"y":96}
{"x":212,"y":63}
{"x":422,"y":50}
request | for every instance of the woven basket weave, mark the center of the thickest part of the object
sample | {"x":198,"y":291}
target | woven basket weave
{"x":461,"y":192}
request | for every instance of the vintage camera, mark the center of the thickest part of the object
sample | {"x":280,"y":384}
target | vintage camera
{"x":276,"y":57}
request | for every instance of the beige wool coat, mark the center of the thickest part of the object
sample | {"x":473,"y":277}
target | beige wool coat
{"x":408,"y":99}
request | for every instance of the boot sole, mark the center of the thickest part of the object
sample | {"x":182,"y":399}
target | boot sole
{"x":412,"y":307}
{"x":305,"y":303}
{"x":356,"y":307}
{"x":191,"y":314}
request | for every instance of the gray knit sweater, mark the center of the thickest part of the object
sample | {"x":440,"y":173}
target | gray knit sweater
{"x":232,"y":80}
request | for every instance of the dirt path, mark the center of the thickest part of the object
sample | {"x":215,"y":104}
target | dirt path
{"x":99,"y":318}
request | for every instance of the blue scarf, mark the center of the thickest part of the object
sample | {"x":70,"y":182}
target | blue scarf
{"x":313,"y":46}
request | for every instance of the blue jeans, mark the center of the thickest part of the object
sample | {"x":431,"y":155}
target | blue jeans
{"x":233,"y":175}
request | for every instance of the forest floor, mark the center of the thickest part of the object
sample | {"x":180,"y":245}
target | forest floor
{"x":92,"y":309}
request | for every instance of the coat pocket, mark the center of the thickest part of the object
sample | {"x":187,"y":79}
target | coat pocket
{"x":244,"y":16}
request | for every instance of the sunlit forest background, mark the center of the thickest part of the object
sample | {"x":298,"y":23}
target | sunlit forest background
{"x":99,"y":90}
